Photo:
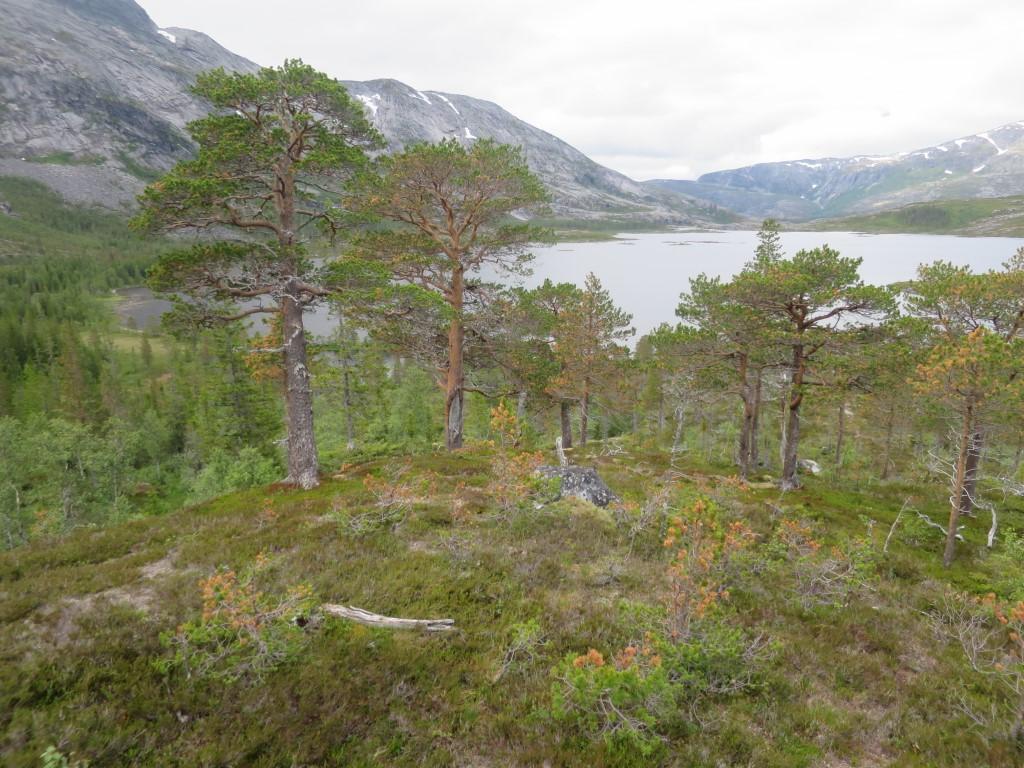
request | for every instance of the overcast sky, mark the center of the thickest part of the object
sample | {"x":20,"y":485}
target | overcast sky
{"x":668,"y":89}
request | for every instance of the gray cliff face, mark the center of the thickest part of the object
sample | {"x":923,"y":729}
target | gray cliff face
{"x":988,"y":164}
{"x":95,"y":99}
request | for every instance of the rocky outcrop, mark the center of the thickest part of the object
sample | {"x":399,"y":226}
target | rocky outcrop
{"x":581,"y":483}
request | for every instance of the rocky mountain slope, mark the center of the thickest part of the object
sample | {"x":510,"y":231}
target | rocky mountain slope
{"x":581,"y":189}
{"x":988,"y":164}
{"x":95,"y":100}
{"x":95,"y":96}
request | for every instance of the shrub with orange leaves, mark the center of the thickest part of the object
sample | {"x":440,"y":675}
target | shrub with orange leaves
{"x":702,"y":550}
{"x":592,"y":657}
{"x":513,"y":479}
{"x":241,"y":631}
{"x":505,"y":426}
{"x":268,"y":515}
{"x":796,"y":538}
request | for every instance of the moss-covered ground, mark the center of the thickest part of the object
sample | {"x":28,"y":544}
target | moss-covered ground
{"x":867,"y":684}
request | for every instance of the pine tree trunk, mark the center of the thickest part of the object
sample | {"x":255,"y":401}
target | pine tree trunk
{"x":958,"y":483}
{"x":746,"y":418}
{"x":678,"y":436}
{"x":521,"y":406}
{"x":566,"y":414}
{"x":755,"y":424}
{"x":971,"y":475}
{"x":887,"y":454}
{"x":303,"y":461}
{"x":454,"y":394}
{"x":791,"y":444}
{"x":584,"y":415}
{"x":350,"y":431}
{"x":783,"y":420}
{"x":840,"y":434}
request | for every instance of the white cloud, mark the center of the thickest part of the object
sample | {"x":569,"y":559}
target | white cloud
{"x":668,"y":88}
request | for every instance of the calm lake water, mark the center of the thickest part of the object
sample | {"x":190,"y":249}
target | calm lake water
{"x":645,"y":273}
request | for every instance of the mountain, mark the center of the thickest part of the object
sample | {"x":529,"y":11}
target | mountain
{"x":581,"y":189}
{"x":985,"y":165}
{"x":95,"y":102}
{"x":95,"y":96}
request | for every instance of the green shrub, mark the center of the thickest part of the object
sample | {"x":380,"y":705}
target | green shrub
{"x":619,"y":703}
{"x":54,"y":758}
{"x":524,"y":640}
{"x":224,"y":473}
{"x":1007,"y":562}
{"x":242,"y":632}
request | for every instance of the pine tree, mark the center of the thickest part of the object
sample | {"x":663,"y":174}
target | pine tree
{"x":589,"y":348}
{"x":276,"y":141}
{"x":452,"y":207}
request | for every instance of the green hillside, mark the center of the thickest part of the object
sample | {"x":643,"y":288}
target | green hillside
{"x":997,"y":216}
{"x":857,"y":670}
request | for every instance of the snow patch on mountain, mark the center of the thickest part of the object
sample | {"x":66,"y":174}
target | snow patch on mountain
{"x":372,"y":103}
{"x":168,"y":35}
{"x":446,"y":101}
{"x":988,"y":138}
{"x":420,"y":95}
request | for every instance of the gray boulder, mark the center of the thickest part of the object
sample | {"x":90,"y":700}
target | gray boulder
{"x":809,"y":465}
{"x":581,"y":483}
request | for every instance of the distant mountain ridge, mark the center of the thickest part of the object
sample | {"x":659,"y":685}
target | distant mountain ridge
{"x":983,"y":165}
{"x":95,"y":102}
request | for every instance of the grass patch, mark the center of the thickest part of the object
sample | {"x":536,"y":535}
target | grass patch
{"x":67,"y":158}
{"x":137,"y":169}
{"x":985,"y":216}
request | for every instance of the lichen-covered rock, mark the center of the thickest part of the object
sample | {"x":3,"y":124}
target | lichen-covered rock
{"x":581,"y":483}
{"x":809,"y":465}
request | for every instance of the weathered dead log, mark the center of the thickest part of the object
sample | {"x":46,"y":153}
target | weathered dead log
{"x":390,"y":622}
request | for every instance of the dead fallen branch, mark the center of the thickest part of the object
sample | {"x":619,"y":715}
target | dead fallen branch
{"x":390,"y":622}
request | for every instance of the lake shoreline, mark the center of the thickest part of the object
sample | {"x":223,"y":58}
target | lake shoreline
{"x":646,"y":271}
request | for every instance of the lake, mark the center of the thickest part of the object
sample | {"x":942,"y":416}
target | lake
{"x":645,"y":273}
